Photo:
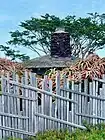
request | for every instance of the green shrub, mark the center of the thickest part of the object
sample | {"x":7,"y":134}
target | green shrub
{"x":96,"y":132}
{"x":53,"y":135}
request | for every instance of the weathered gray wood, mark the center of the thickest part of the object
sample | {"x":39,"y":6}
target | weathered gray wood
{"x":48,"y":115}
{"x":42,"y":107}
{"x":58,"y":103}
{"x":101,"y":104}
{"x":18,"y":96}
{"x":18,"y":106}
{"x":7,"y":106}
{"x":79,"y":104}
{"x":76,"y":106}
{"x":85,"y":98}
{"x":26,"y":102}
{"x":16,"y":131}
{"x":90,"y":116}
{"x":94,"y":103}
{"x":83,"y":94}
{"x":72,"y":105}
{"x":23,"y":112}
{"x":13,"y":115}
{"x":34,"y":84}
{"x":50,"y":104}
{"x":3,"y":117}
{"x":60,"y":121}
{"x":13,"y":103}
{"x":46,"y":92}
{"x":91,"y":101}
{"x":31,"y":105}
{"x":35,"y":105}
{"x":47,"y":100}
{"x":103,"y":87}
{"x":68,"y":84}
{"x":1,"y":108}
{"x":96,"y":94}
{"x":64,"y":109}
{"x":99,"y":80}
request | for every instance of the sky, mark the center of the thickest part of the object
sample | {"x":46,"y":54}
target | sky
{"x":12,"y":12}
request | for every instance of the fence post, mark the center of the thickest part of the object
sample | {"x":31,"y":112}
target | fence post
{"x":2,"y":101}
{"x":64,"y":103}
{"x":26,"y":94}
{"x":2,"y":86}
{"x":85,"y":111}
{"x":104,"y":96}
{"x":79,"y":104}
{"x":50,"y":104}
{"x":34,"y":84}
{"x":94,"y":103}
{"x":68,"y":84}
{"x":31,"y":104}
{"x":35,"y":105}
{"x":72,"y":105}
{"x":57,"y":105}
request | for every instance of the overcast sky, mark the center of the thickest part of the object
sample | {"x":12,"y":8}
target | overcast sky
{"x":14,"y":11}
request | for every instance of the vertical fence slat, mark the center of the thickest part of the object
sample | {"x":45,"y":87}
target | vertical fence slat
{"x":104,"y":96}
{"x":86,"y":98}
{"x":32,"y":82}
{"x":80,"y":104}
{"x":42,"y":105}
{"x":33,"y":96}
{"x":72,"y":105}
{"x":18,"y":103}
{"x":26,"y":93}
{"x":57,"y":103}
{"x":76,"y":106}
{"x":50,"y":104}
{"x":68,"y":84}
{"x":59,"y":109}
{"x":8,"y":103}
{"x":101,"y":104}
{"x":90,"y":102}
{"x":3,"y":117}
{"x":94,"y":103}
{"x":96,"y":94}
{"x":45,"y":101}
{"x":36,"y":108}
{"x":14,"y":120}
{"x":1,"y":86}
{"x":64,"y":103}
{"x":31,"y":105}
{"x":23,"y":105}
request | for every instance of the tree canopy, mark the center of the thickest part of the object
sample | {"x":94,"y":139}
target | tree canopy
{"x":13,"y":54}
{"x":87,"y":34}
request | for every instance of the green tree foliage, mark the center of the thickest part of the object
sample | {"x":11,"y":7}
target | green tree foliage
{"x":87,"y":34}
{"x":13,"y":54}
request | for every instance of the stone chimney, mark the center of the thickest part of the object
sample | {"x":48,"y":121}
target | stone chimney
{"x":60,"y":44}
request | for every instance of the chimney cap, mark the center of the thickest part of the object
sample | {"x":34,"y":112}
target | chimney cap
{"x":60,"y":30}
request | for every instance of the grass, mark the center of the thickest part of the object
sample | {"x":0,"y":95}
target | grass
{"x":96,"y":132}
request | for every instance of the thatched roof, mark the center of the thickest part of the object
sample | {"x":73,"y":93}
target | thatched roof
{"x":48,"y":62}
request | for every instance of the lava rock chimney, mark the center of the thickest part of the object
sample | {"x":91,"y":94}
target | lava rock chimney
{"x":60,"y":44}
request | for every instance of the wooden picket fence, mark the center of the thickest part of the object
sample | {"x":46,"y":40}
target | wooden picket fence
{"x":26,"y":109}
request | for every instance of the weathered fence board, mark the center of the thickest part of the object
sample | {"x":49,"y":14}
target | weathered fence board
{"x":26,"y":109}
